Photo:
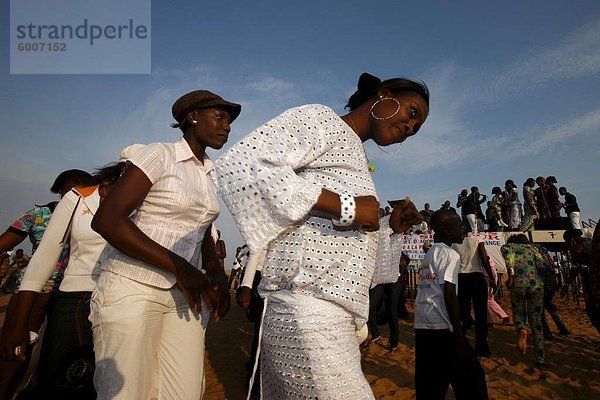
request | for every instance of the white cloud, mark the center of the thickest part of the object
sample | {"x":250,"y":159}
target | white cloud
{"x":448,"y":138}
{"x":456,"y":145}
{"x":271,"y":85}
{"x":575,"y":56}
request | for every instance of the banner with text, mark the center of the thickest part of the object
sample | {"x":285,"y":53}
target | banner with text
{"x":412,"y":245}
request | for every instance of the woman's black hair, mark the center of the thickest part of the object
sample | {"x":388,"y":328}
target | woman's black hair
{"x":510,"y":182}
{"x":496,"y":190}
{"x":108,"y":174}
{"x":75,"y":176}
{"x":183,"y":125}
{"x":529,"y":182}
{"x":369,"y":85}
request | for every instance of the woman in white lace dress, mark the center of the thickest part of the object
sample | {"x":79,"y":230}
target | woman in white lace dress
{"x":514,"y":205}
{"x":300,"y":184}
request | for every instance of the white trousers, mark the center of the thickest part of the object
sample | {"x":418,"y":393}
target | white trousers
{"x":147,"y":341}
{"x":575,"y":219}
{"x":472,"y":220}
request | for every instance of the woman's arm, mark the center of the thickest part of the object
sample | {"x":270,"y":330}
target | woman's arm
{"x":268,"y":195}
{"x":113,"y":223}
{"x":14,"y":342}
{"x":17,"y":231}
{"x":404,"y":215}
{"x":216,"y":275}
{"x":8,"y":240}
{"x":485,"y":262}
{"x":509,"y":260}
{"x":367,"y":209}
{"x":36,"y":275}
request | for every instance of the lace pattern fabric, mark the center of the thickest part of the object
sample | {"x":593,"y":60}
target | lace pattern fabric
{"x":271,"y":179}
{"x":310,"y":351}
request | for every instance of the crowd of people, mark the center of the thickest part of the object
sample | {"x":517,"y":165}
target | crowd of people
{"x":128,"y":267}
{"x":505,"y":211}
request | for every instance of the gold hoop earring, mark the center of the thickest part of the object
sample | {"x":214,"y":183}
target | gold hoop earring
{"x":380,"y":100}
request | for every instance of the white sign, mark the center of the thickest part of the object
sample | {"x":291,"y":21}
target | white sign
{"x":412,"y":245}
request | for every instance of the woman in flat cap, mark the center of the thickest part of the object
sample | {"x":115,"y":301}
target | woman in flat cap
{"x":300,"y":185}
{"x":161,"y":280}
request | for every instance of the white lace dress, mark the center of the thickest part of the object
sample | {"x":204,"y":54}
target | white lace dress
{"x":316,"y":276}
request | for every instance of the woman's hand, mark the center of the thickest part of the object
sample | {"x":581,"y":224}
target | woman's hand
{"x":367,"y":213}
{"x":15,"y":344}
{"x":243,"y":297}
{"x":220,"y":288}
{"x":195,"y":287}
{"x":405,"y":215}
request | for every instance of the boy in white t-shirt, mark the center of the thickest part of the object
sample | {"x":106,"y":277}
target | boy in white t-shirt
{"x":442,"y":354}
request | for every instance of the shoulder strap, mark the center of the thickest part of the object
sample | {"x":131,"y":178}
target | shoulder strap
{"x":67,"y":235}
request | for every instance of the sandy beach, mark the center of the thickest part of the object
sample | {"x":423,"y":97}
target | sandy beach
{"x":573,"y":362}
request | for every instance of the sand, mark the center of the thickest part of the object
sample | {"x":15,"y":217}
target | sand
{"x":573,"y":362}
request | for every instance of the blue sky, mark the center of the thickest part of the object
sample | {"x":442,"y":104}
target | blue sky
{"x":514,"y":89}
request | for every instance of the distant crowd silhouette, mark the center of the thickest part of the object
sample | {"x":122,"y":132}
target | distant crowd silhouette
{"x":505,"y":211}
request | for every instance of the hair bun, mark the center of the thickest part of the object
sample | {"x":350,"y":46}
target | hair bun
{"x":366,"y":88}
{"x":368,"y":83}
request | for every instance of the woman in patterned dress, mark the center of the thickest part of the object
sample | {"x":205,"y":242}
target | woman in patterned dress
{"x":530,"y":207}
{"x":526,"y":292}
{"x":300,"y":185}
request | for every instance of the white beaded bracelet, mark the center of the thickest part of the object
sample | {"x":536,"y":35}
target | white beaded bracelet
{"x":347,"y":211}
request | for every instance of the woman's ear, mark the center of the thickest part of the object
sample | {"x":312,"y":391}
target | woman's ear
{"x":191,"y":118}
